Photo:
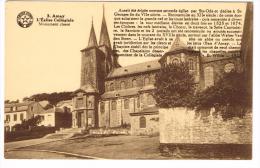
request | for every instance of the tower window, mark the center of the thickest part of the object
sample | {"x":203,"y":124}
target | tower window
{"x":142,"y":122}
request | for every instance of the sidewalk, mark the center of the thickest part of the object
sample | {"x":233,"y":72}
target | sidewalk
{"x":25,"y":143}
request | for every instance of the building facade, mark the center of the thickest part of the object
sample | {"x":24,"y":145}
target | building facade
{"x":112,"y":96}
{"x":15,"y":113}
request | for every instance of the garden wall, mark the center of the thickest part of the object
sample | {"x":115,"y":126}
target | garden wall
{"x":183,"y":126}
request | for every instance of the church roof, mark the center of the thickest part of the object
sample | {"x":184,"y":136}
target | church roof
{"x":104,"y":37}
{"x":178,"y":44}
{"x":136,"y":68}
{"x":92,"y":37}
{"x":120,"y":93}
{"x":225,"y":55}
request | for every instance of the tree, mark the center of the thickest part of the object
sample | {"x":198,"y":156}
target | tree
{"x":228,"y":95}
{"x":53,"y":98}
{"x":27,"y":124}
{"x":174,"y":86}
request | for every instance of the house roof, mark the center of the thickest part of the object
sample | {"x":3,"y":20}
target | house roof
{"x":26,"y":103}
{"x":23,"y":106}
{"x":44,"y":103}
{"x":136,"y":68}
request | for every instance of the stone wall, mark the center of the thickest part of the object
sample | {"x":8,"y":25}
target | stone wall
{"x":152,"y":125}
{"x":109,"y":131}
{"x":180,"y":125}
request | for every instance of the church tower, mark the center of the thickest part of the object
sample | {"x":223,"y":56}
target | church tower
{"x":85,"y":101}
{"x":111,"y":58}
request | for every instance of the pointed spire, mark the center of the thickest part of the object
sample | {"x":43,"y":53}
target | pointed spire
{"x":177,"y":44}
{"x":92,"y":37}
{"x":104,"y":37}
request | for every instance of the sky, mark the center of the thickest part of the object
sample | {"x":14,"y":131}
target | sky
{"x":45,"y":59}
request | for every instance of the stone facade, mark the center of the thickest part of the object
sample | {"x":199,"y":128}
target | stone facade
{"x":145,"y":124}
{"x":182,"y":126}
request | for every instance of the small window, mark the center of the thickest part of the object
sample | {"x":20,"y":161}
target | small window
{"x":7,"y":118}
{"x":11,"y":108}
{"x":113,"y":105}
{"x":142,"y":121}
{"x":102,"y":107}
{"x":122,"y":85}
{"x":31,"y":108}
{"x":21,"y":117}
{"x":126,"y":103}
{"x":15,"y":117}
{"x":146,"y":81}
{"x":134,"y":83}
{"x":112,"y":88}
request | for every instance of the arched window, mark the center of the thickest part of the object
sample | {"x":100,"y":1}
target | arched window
{"x":142,"y":121}
{"x":112,"y":88}
{"x":191,"y":64}
{"x":134,"y":83}
{"x":146,"y":81}
{"x":209,"y":76}
{"x":122,"y":85}
{"x":175,"y":61}
{"x":126,"y":103}
{"x":102,"y":107}
{"x":149,"y":99}
{"x":229,"y":67}
{"x":113,"y":105}
{"x":138,"y":101}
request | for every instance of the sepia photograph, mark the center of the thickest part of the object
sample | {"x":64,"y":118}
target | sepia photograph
{"x":128,"y":80}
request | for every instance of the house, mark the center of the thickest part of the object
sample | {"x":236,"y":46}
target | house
{"x":15,"y":113}
{"x":58,"y":116}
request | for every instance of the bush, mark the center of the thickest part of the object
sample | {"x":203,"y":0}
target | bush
{"x":23,"y":134}
{"x":174,"y":86}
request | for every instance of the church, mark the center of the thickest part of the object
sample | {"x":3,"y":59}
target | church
{"x":112,"y":96}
